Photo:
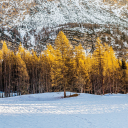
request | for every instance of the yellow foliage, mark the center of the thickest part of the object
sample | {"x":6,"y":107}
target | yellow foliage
{"x":4,"y":47}
{"x":62,"y":65}
{"x":1,"y":55}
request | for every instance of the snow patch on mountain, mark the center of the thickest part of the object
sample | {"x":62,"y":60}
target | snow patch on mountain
{"x":53,"y":13}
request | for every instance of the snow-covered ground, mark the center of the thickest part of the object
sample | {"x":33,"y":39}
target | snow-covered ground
{"x":50,"y":110}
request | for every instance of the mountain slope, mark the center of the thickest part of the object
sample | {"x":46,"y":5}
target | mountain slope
{"x":41,"y":13}
{"x":37,"y":22}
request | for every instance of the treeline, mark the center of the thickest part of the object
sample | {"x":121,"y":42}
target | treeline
{"x":62,"y":68}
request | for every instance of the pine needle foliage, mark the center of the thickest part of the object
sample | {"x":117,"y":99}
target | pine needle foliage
{"x":62,"y":68}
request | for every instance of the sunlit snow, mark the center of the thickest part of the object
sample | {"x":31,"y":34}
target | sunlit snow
{"x":48,"y":110}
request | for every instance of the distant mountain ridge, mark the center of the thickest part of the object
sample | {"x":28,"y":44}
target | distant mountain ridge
{"x":53,"y":13}
{"x":34,"y":22}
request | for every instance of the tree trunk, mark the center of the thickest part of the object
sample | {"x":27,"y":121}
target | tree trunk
{"x":81,"y":89}
{"x":64,"y":91}
{"x":116,"y":83}
{"x":1,"y":87}
{"x":46,"y":82}
{"x":113,"y":81}
{"x":102,"y":84}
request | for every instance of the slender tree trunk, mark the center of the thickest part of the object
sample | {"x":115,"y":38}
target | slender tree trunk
{"x":43,"y":81}
{"x":116,"y":87}
{"x":109,"y":82}
{"x":5,"y":77}
{"x":6,"y":87}
{"x":113,"y":81}
{"x":39,"y":85}
{"x":17,"y":87}
{"x":110,"y":85}
{"x":84,"y":88}
{"x":116,"y":83}
{"x":33,"y":89}
{"x":36,"y":79}
{"x":46,"y":83}
{"x":103,"y":86}
{"x":33,"y":80}
{"x":64,"y":91}
{"x":9,"y":79}
{"x":94,"y":88}
{"x":1,"y":88}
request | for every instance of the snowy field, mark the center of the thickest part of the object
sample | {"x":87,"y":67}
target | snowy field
{"x":49,"y":110}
